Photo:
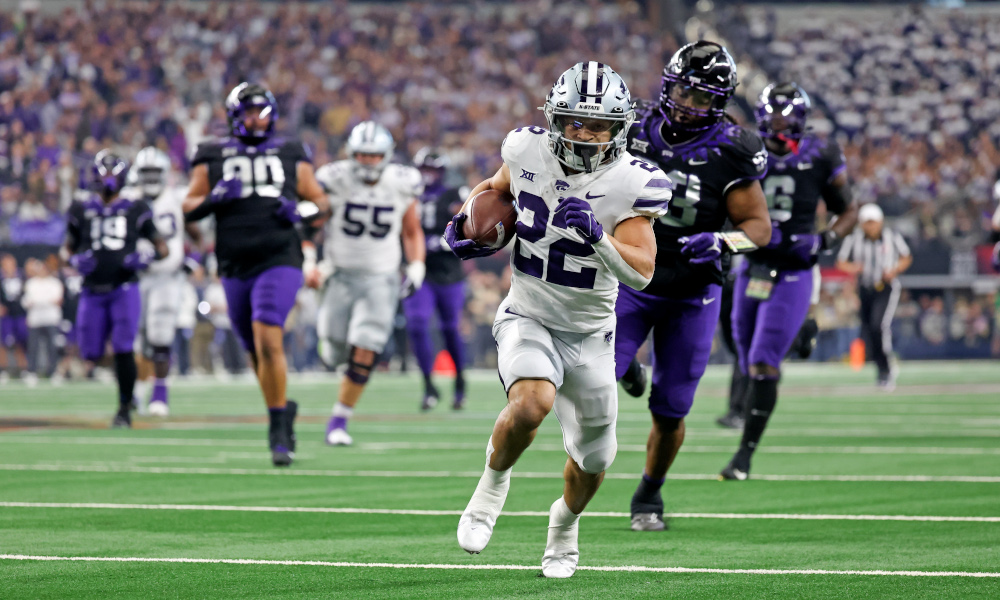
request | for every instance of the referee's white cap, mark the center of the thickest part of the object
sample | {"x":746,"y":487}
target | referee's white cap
{"x":870,"y":212}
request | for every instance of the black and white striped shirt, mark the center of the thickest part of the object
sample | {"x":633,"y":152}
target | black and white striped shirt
{"x":875,"y":256}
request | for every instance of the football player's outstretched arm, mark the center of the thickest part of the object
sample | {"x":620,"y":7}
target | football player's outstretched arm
{"x":194,"y":205}
{"x":747,"y":209}
{"x":414,"y":246}
{"x":839,"y":195}
{"x":636,"y":244}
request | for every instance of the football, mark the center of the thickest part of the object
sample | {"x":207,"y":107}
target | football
{"x":490,"y":219}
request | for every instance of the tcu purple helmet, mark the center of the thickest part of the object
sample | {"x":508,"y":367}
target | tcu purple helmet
{"x":242,"y":98}
{"x":108,"y":173}
{"x":432,"y":164}
{"x":702,"y":70}
{"x":787,"y":100}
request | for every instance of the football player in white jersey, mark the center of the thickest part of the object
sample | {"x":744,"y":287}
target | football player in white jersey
{"x":161,"y":284}
{"x":585,"y":208}
{"x":374,"y":206}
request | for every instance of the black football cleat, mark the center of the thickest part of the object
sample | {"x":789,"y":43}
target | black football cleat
{"x":634,"y":379}
{"x":647,"y":513}
{"x":430,"y":399}
{"x":123,"y":419}
{"x":731,"y":420}
{"x":738,"y":468}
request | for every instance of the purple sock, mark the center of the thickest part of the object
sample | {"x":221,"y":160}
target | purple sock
{"x":337,"y":423}
{"x":159,"y":391}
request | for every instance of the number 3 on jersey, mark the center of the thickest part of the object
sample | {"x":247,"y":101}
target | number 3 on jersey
{"x":262,"y":175}
{"x":684,"y":205}
{"x":529,"y":263}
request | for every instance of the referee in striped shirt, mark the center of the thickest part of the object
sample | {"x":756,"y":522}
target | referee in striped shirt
{"x":877,"y":255}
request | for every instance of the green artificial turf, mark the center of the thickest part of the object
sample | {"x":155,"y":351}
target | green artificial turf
{"x":836,"y":446}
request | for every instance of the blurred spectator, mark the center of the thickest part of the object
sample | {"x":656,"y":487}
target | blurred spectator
{"x":43,"y":298}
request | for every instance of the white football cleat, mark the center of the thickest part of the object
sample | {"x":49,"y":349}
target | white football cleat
{"x":562,"y":551}
{"x":475,"y":528}
{"x":339,"y":437}
{"x":158,"y":409}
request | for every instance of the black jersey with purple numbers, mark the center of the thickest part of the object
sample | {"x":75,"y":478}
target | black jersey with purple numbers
{"x":703,"y":169}
{"x":794,"y":185}
{"x":249,"y":237}
{"x":111,"y":232}
{"x":11,"y":290}
{"x":436,"y":210}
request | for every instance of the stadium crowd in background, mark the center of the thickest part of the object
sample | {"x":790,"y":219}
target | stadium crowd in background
{"x":920,"y":129}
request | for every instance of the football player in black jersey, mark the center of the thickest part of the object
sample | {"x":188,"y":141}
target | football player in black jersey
{"x":13,"y":323}
{"x":774,"y":287}
{"x":716,"y":167}
{"x":102,"y":243}
{"x":444,"y":288}
{"x":249,"y":182}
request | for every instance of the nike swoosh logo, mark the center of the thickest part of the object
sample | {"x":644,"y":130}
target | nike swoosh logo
{"x":510,"y":312}
{"x":589,"y":197}
{"x":707,"y":301}
{"x":695,"y":162}
{"x":791,"y":278}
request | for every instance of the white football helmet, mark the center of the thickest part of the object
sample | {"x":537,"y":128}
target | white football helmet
{"x":149,"y":171}
{"x":588,"y":91}
{"x":370,"y":138}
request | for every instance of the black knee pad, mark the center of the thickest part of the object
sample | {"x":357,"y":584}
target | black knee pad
{"x":359,"y":372}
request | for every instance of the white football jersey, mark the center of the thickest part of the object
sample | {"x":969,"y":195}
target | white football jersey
{"x":168,"y":216}
{"x":557,"y":278}
{"x":363,"y":233}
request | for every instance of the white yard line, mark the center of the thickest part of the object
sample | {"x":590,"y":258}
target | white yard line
{"x":476,"y":567}
{"x":456,"y":513}
{"x":104,"y":467}
{"x":538,"y":447}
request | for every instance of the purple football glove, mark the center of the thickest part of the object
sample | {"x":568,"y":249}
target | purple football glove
{"x":226,"y":190}
{"x":138,"y":260}
{"x":701,"y":248}
{"x":84,"y":263}
{"x":464,"y":249}
{"x":996,"y":257}
{"x":806,"y":246}
{"x":288,"y":210}
{"x":776,"y":237}
{"x":581,"y":217}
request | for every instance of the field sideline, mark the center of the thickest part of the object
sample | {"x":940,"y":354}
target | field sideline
{"x":854,"y":493}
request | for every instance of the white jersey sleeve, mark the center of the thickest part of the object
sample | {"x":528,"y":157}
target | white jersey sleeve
{"x":557,"y":278}
{"x":363,"y":232}
{"x":169,"y":218}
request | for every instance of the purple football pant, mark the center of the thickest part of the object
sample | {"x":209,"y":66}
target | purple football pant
{"x":682,"y":343}
{"x":765,"y":329}
{"x":265,"y":298}
{"x":449,"y":300}
{"x":14,"y":331}
{"x":115,"y":313}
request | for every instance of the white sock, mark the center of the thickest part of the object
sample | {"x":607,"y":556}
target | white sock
{"x":342,"y":410}
{"x":562,"y":552}
{"x":560,"y":515}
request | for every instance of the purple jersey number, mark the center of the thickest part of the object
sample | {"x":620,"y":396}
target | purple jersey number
{"x":535,"y":265}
